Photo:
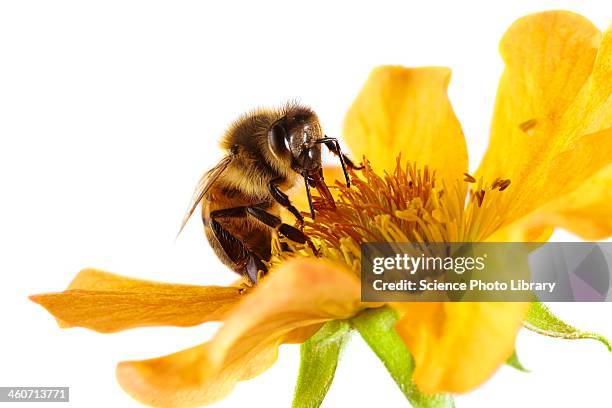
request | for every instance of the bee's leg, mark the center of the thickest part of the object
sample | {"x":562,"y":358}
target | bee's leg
{"x":286,"y":230}
{"x":235,"y":250}
{"x":283,"y":200}
{"x":285,"y":247}
{"x":334,"y":147}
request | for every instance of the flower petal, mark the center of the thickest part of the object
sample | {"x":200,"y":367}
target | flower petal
{"x":553,"y":98}
{"x":286,"y":306}
{"x":585,"y":211}
{"x":108,"y":303}
{"x":458,"y":346}
{"x":407,"y":110}
{"x":184,"y":379}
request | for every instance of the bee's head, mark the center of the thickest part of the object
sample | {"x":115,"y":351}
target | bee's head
{"x":293,"y":138}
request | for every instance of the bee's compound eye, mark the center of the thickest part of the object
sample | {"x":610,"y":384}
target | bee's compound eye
{"x":277,"y":139}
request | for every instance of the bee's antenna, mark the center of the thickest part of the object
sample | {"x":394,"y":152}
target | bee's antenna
{"x":312,"y":211}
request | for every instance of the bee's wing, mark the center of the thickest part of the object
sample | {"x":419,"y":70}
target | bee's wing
{"x":206,"y":181}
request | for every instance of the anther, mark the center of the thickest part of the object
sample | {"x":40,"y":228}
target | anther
{"x":500,"y":184}
{"x":469,"y":178}
{"x":496,"y":183}
{"x":504,"y":184}
{"x":528,"y":125}
{"x":480,"y":196}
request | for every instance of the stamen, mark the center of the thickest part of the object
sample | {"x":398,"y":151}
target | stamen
{"x":480,"y":197}
{"x":528,"y":125}
{"x":409,"y":204}
{"x":504,"y":185}
{"x":469,"y":178}
{"x":496,"y":183}
{"x":500,"y":184}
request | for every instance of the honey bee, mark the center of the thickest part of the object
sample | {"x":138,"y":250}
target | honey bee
{"x":267,"y":151}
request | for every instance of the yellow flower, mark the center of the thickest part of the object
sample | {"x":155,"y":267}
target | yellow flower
{"x":549,"y":164}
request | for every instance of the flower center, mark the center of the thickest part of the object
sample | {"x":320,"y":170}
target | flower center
{"x":408,"y":205}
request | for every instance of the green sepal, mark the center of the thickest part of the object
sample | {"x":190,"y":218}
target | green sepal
{"x":514,"y":362}
{"x":319,"y":358}
{"x":377,"y":327}
{"x":541,"y":320}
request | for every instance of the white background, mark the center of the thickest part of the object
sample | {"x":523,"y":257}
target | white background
{"x":109,"y":112}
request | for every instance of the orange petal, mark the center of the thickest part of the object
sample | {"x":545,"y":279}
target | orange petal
{"x":579,"y":204}
{"x":458,"y":346}
{"x":553,"y":102}
{"x":586,"y":211}
{"x":108,"y":303}
{"x":407,"y":110}
{"x":286,"y":306}
{"x":186,"y":379}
